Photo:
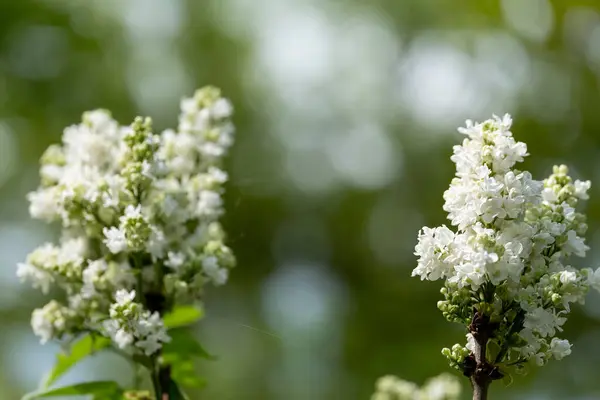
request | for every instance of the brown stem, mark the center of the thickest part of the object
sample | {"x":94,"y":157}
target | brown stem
{"x":483,"y":372}
{"x":480,"y":380}
{"x":480,"y":390}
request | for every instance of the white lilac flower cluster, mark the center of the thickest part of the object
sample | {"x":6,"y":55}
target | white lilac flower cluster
{"x":442,"y":387}
{"x":507,"y":262}
{"x":130,"y":323}
{"x":140,"y":222}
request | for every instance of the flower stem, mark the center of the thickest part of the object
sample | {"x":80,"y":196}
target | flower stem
{"x":480,"y":390}
{"x":161,"y":374}
{"x":483,"y":372}
{"x":164,"y":379}
{"x":480,"y":380}
{"x":156,"y":385}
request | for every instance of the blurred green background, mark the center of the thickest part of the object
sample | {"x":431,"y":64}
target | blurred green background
{"x":346,"y":113}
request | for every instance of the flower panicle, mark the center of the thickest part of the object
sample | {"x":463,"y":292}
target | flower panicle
{"x":507,"y":259}
{"x":140,"y":215}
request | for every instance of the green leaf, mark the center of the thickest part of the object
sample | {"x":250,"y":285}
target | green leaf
{"x":182,"y":316}
{"x":180,"y":353}
{"x":101,"y":390}
{"x":184,"y":372}
{"x":493,"y":349}
{"x":82,"y":348}
{"x":184,"y":345}
{"x":142,"y":360}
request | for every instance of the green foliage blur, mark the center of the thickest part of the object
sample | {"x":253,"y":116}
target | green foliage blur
{"x":346,"y":113}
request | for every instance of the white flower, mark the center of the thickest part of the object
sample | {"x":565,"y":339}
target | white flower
{"x":44,"y":204}
{"x":115,"y":239}
{"x":150,"y":344}
{"x":393,"y":386}
{"x":132,"y":212}
{"x":115,"y":185}
{"x":560,"y":348}
{"x":543,"y":321}
{"x":442,"y":387}
{"x":53,"y":320}
{"x":123,"y":339}
{"x":507,"y":259}
{"x":175,"y":260}
{"x":170,"y":206}
{"x":222,"y":109}
{"x":549,"y":195}
{"x":42,"y":326}
{"x":211,"y":268}
{"x":594,"y":279}
{"x":91,"y":275}
{"x":212,"y":150}
{"x":209,"y":203}
{"x":123,"y":297}
{"x":189,"y":106}
{"x":152,"y":333}
{"x":433,"y":249}
{"x":581,"y":189}
{"x":130,"y":325}
{"x":568,"y":211}
{"x":218,"y":175}
{"x":156,"y":243}
{"x":575,"y":245}
{"x":101,"y":122}
{"x":39,"y":278}
{"x":153,"y":201}
{"x":568,"y":277}
{"x":539,"y":359}
{"x":470,"y":342}
{"x":73,"y":251}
